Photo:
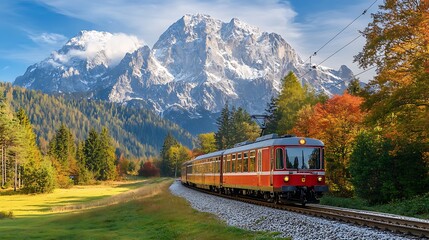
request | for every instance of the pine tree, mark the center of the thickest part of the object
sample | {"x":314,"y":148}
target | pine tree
{"x":272,"y":116}
{"x":63,"y":149}
{"x":107,"y":155}
{"x":223,"y":136}
{"x":91,"y":151}
{"x":166,"y":165}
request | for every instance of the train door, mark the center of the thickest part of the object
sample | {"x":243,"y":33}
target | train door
{"x":259,"y":167}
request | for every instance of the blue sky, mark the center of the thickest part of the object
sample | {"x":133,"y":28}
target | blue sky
{"x":32,"y":29}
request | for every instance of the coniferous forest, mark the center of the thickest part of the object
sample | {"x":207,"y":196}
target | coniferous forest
{"x":137,"y":132}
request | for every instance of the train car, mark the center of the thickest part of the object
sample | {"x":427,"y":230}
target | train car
{"x":204,"y":171}
{"x":280,"y":169}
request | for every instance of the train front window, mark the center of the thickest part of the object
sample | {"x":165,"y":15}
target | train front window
{"x":303,"y":158}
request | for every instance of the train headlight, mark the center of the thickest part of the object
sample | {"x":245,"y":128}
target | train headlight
{"x":319,"y":179}
{"x":302,"y":141}
{"x":286,"y":179}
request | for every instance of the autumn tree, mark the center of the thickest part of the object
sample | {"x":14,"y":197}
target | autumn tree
{"x":337,"y":123}
{"x":397,"y":99}
{"x":397,"y":44}
{"x":207,"y":142}
{"x":148,"y":169}
{"x":177,"y":155}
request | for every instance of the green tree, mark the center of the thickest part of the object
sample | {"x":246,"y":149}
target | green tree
{"x":291,"y":100}
{"x":166,"y":166}
{"x":84,"y":175}
{"x":62,"y":147}
{"x":354,"y":87}
{"x":272,"y":116}
{"x":223,"y":136}
{"x":39,"y":179}
{"x":383,"y":170}
{"x":243,"y":127}
{"x":283,"y":110}
{"x":235,"y":126}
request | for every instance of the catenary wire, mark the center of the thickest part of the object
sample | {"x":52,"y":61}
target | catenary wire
{"x":342,"y":30}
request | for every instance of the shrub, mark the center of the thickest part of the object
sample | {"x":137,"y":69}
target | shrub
{"x":39,"y":179}
{"x":6,"y":214}
{"x":148,"y":169}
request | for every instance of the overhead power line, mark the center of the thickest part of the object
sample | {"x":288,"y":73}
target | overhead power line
{"x":354,"y":76}
{"x":342,"y":30}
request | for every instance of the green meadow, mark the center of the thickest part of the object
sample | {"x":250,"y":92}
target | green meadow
{"x":142,"y":209}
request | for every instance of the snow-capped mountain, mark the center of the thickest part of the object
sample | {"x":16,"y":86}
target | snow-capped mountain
{"x":197,"y":65}
{"x":79,"y":65}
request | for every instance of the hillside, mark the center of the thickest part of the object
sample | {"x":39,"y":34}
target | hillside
{"x":138,"y":132}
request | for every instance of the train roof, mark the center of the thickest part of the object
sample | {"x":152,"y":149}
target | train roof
{"x":262,"y":142}
{"x":291,"y":141}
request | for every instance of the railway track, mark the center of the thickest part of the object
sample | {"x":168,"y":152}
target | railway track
{"x":393,"y":223}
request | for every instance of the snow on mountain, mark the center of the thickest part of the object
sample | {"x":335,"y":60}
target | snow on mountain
{"x":198,"y":64}
{"x":78,"y":66}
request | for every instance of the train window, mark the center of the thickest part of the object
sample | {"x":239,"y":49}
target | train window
{"x":245,"y":162}
{"x":279,"y":158}
{"x":304,"y":158}
{"x":259,"y":160}
{"x":233,"y":161}
{"x":252,"y":161}
{"x":214,"y":165}
{"x":228,"y":163}
{"x":239,"y":163}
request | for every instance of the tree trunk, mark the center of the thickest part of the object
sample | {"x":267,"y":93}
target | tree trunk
{"x":3,"y":171}
{"x":15,"y":179}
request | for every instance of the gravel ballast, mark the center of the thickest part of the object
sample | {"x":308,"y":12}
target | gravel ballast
{"x":288,"y":224}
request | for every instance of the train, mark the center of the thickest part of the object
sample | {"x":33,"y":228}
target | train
{"x":280,"y":169}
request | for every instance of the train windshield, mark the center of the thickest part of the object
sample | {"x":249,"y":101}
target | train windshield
{"x":303,"y":158}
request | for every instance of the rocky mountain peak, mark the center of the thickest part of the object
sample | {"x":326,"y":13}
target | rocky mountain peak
{"x":197,"y":65}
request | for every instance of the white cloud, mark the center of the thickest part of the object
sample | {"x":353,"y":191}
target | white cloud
{"x":150,"y":18}
{"x":48,"y":38}
{"x":112,"y":46}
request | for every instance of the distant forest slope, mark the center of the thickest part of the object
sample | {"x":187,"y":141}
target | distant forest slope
{"x":138,"y":132}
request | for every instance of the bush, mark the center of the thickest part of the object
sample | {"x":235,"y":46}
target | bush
{"x":6,"y":214}
{"x":39,"y":179}
{"x":148,"y":169}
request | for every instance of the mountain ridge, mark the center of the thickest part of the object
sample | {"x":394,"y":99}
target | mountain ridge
{"x":197,"y":65}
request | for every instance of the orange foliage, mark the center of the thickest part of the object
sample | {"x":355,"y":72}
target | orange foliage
{"x":336,"y":122}
{"x":338,"y":116}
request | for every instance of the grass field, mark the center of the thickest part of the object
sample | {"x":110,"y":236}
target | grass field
{"x":416,"y":207}
{"x":137,"y":210}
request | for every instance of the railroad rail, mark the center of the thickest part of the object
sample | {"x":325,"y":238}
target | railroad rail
{"x":387,"y":222}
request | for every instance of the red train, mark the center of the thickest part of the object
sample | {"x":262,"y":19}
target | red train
{"x":280,"y":169}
